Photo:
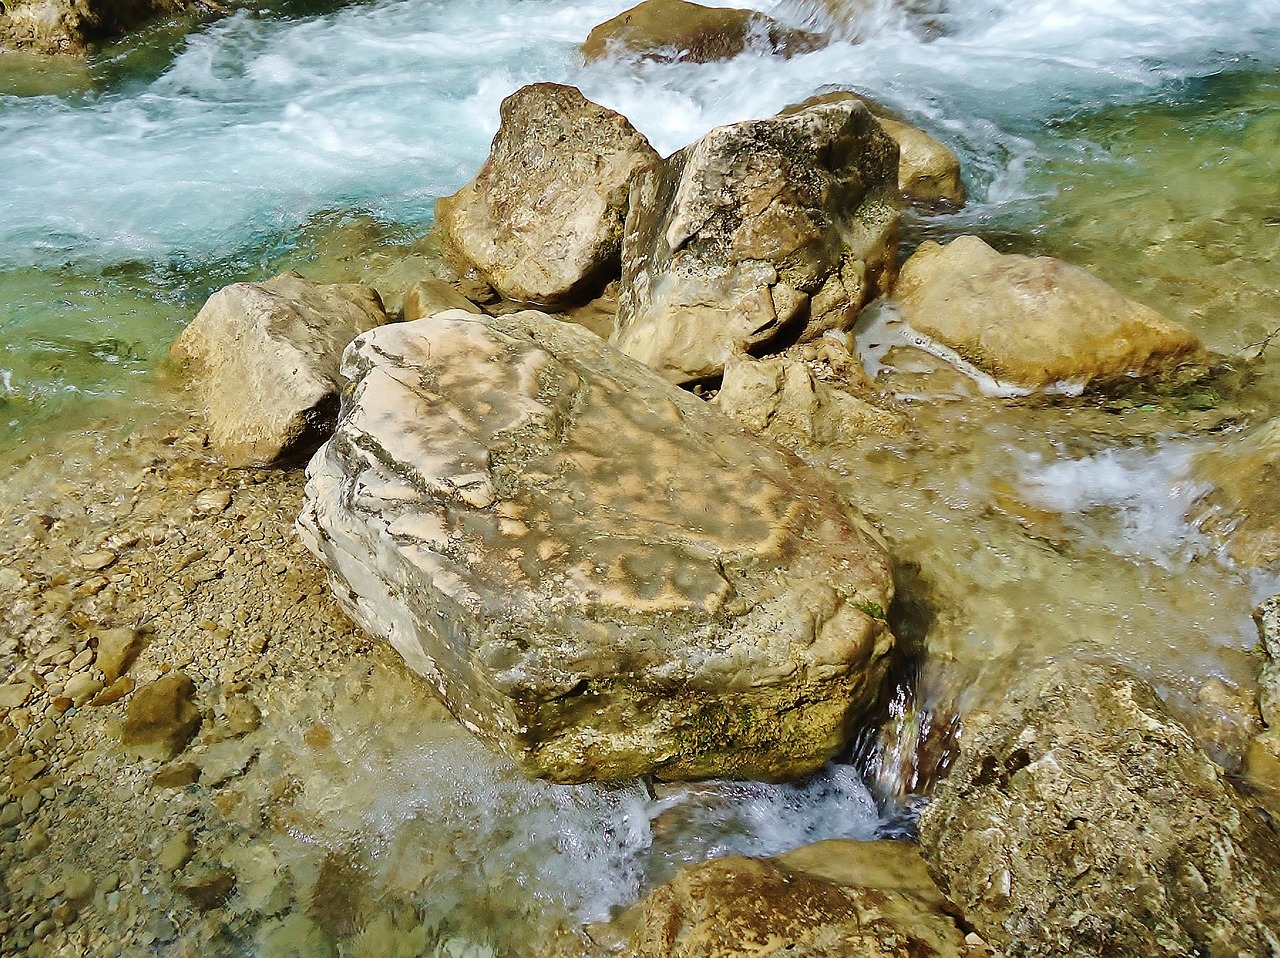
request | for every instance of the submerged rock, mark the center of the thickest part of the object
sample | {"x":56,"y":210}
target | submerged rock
{"x":71,"y":26}
{"x":594,"y":569}
{"x":770,"y":229}
{"x":1037,"y":321}
{"x":1243,"y":507}
{"x":264,"y":359}
{"x":670,"y":30}
{"x":832,"y":899}
{"x":1080,"y":819}
{"x":161,"y":718}
{"x":542,"y":220}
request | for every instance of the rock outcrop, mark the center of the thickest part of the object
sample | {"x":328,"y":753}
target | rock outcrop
{"x":1037,"y":321}
{"x":670,"y":30}
{"x":542,"y":221}
{"x":766,"y":230}
{"x":72,"y":26}
{"x":594,"y":569}
{"x":264,"y":359}
{"x":1243,"y":506}
{"x":1080,"y":819}
{"x":828,"y":900}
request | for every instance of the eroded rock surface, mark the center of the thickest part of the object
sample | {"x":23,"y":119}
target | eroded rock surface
{"x":669,"y":30}
{"x":595,"y":570}
{"x":264,"y":360}
{"x":71,"y":26}
{"x":1243,"y":507}
{"x":833,"y":899}
{"x":1037,"y":321}
{"x":759,"y":231}
{"x":1080,"y":819}
{"x":542,"y":220}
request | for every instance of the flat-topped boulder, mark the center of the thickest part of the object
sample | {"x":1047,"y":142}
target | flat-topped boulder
{"x":596,"y":571}
{"x":670,"y":30}
{"x":761,"y":231}
{"x":542,"y":220}
{"x":1036,"y":321}
{"x":1080,"y":819}
{"x":264,"y":357}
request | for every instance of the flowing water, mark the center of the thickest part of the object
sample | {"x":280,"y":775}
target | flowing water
{"x":1138,"y":138}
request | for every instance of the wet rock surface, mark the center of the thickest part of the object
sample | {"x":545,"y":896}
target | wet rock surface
{"x":1037,"y":321}
{"x":264,"y":357}
{"x":542,"y":220}
{"x":830,"y":899}
{"x":596,"y":571}
{"x":671,"y":30}
{"x":761,"y":231}
{"x":1080,"y":819}
{"x":1243,"y":506}
{"x":72,"y":26}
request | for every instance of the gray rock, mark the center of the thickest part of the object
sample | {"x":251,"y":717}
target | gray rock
{"x":760,"y":231}
{"x":264,"y":360}
{"x":593,"y":568}
{"x":1080,"y":819}
{"x":161,"y":718}
{"x":542,"y":220}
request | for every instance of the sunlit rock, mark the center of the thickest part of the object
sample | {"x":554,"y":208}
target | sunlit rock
{"x":1243,"y":507}
{"x":264,"y":360}
{"x":1036,"y":321}
{"x":783,"y":397}
{"x":835,"y":898}
{"x":1080,"y":819}
{"x":71,"y":26}
{"x":595,"y":570}
{"x":542,"y":220}
{"x":766,"y":230}
{"x":669,"y":30}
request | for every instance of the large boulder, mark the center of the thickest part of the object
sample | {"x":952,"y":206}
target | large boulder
{"x":264,"y":359}
{"x":1080,"y":819}
{"x":830,"y":900}
{"x":764,"y":230}
{"x":542,"y":220}
{"x":594,"y":569}
{"x":72,"y":26}
{"x":669,"y":30}
{"x":1037,"y":321}
{"x":1242,"y":505}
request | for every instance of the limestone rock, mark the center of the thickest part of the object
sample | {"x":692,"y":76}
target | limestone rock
{"x":1037,"y":321}
{"x":264,"y":357}
{"x":71,"y":26}
{"x":833,"y":899}
{"x":1079,"y":819}
{"x":759,"y":231}
{"x":782,"y":398}
{"x":428,"y":297}
{"x":928,"y":171}
{"x":1267,"y":615}
{"x":542,"y":220}
{"x":117,"y":648}
{"x":670,"y":30}
{"x":594,"y":569}
{"x":161,"y":718}
{"x":1243,"y":505}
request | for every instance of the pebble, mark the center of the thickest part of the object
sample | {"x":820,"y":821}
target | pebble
{"x":14,"y":696}
{"x":177,"y":851}
{"x":81,"y":688}
{"x":79,"y":886}
{"x":31,"y":801}
{"x":212,"y":501}
{"x":96,"y":561}
{"x":115,"y":691}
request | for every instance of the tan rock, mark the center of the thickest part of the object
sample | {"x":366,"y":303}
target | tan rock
{"x":117,"y":648}
{"x":542,"y":220}
{"x":670,"y":30}
{"x":759,"y":231}
{"x":531,"y":519}
{"x":928,"y":171}
{"x":264,"y":359}
{"x":15,"y":695}
{"x":1242,"y":507}
{"x":72,"y":26}
{"x":161,"y":718}
{"x":428,"y":297}
{"x":1037,"y":321}
{"x":833,"y":899}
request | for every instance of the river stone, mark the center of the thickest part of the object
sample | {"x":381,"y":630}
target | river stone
{"x":1037,"y":321}
{"x":117,"y":648}
{"x":1243,"y":505}
{"x":764,"y":230}
{"x":72,"y":26}
{"x":1080,"y":819}
{"x":542,"y":220}
{"x":428,"y":297}
{"x":264,"y":359}
{"x":594,"y":569}
{"x":161,"y":718}
{"x":831,"y":900}
{"x":670,"y":30}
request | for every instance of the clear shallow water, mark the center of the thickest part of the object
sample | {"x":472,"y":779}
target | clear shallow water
{"x":1137,"y":138}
